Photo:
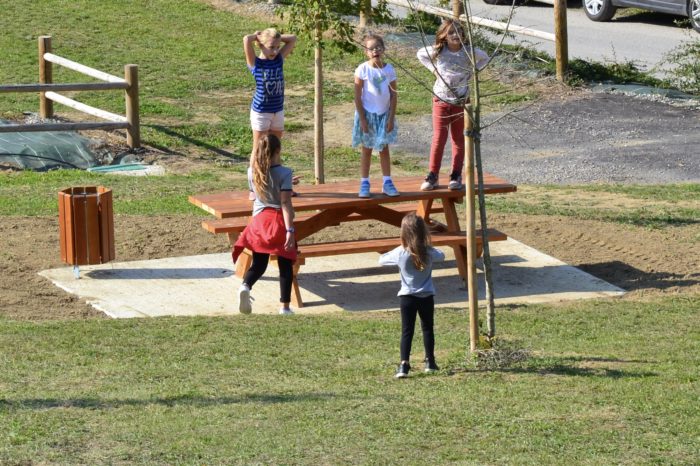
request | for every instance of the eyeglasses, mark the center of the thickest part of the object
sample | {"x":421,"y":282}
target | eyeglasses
{"x":376,"y":49}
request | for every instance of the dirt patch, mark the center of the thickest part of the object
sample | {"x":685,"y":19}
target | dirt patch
{"x":642,"y":261}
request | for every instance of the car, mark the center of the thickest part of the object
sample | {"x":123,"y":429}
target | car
{"x":603,"y":10}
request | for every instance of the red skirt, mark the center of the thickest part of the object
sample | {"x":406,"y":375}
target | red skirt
{"x":265,"y":233}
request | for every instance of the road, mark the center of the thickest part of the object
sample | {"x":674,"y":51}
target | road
{"x":644,"y":38}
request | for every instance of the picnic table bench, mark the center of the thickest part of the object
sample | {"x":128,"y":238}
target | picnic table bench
{"x":321,"y":206}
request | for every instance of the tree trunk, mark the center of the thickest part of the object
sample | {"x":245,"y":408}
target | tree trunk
{"x":470,"y":222}
{"x":365,"y":13}
{"x":318,"y":109}
{"x":457,"y":8}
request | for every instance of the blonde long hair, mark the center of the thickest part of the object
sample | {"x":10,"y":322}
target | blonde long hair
{"x":441,"y":36}
{"x":265,"y":150}
{"x":415,"y":238}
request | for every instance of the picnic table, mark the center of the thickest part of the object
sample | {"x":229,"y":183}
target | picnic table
{"x":320,"y":206}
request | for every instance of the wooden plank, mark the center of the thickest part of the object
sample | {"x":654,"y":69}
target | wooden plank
{"x":79,"y":236}
{"x":385,"y":244}
{"x":61,"y":127}
{"x":62,"y":220}
{"x":237,"y":224}
{"x":68,"y":102}
{"x":339,"y":194}
{"x":62,"y":87}
{"x":80,"y":68}
{"x":106,"y":225}
{"x":92,"y":230}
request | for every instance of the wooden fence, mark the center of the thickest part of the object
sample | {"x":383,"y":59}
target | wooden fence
{"x":48,"y":94}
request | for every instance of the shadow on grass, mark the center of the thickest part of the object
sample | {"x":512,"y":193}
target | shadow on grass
{"x":511,"y":359}
{"x":184,"y":400}
{"x":575,"y":371}
{"x":198,"y":143}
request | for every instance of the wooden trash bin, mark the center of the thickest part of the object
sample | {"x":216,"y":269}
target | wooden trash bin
{"x":86,"y":225}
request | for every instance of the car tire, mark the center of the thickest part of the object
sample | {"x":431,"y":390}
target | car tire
{"x":694,"y":14}
{"x":601,"y":10}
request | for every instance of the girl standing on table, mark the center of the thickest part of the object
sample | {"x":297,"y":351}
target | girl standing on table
{"x":267,"y":108}
{"x":450,"y":61}
{"x":271,"y":231}
{"x":415,"y":259}
{"x":375,"y":107}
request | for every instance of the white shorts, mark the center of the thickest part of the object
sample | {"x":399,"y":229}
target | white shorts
{"x":267,"y":121}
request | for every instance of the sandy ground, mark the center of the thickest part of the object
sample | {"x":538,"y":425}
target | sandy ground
{"x":642,"y":261}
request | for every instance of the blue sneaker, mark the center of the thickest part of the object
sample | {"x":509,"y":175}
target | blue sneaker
{"x":364,"y":189}
{"x":389,"y":189}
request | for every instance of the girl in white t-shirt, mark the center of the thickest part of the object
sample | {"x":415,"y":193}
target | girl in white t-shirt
{"x":450,"y":61}
{"x":375,"y":108}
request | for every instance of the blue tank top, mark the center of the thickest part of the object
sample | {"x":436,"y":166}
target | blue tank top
{"x":269,"y":85}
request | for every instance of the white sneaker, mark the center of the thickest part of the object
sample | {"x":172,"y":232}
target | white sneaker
{"x":285,"y":311}
{"x":244,"y":306}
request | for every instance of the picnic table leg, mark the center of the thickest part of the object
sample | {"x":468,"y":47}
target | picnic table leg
{"x":423,"y":209}
{"x":296,"y":292}
{"x":232,"y":237}
{"x":243,"y":263}
{"x":460,"y":251}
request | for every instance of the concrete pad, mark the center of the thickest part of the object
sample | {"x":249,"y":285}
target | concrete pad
{"x":206,"y":285}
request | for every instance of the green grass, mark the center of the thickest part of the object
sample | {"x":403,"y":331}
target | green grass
{"x":653,"y":206}
{"x":609,"y":382}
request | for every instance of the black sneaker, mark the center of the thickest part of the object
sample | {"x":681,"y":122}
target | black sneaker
{"x":455,"y":182}
{"x":430,"y":183}
{"x":402,"y":371}
{"x":430,"y":366}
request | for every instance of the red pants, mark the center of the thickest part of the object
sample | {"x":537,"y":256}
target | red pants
{"x":447,"y":118}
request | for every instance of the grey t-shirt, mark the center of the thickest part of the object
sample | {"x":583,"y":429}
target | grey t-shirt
{"x":414,"y":282}
{"x":280,"y":180}
{"x":455,"y":70}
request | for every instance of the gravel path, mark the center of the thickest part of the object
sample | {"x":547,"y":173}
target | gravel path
{"x":584,"y":138}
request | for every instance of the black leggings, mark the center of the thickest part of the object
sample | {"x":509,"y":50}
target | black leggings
{"x":258,"y":267}
{"x":424,"y":307}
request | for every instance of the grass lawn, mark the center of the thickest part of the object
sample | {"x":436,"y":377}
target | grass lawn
{"x":609,"y":382}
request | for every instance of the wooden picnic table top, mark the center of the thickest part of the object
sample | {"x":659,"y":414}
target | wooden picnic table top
{"x":342,"y":194}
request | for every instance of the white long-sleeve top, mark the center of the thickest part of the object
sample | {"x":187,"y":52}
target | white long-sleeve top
{"x":454,"y":69}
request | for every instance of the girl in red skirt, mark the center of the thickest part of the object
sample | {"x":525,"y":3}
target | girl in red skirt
{"x":271,"y":231}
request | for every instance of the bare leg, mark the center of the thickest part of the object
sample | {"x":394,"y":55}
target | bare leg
{"x":385,"y":161}
{"x":365,"y":160}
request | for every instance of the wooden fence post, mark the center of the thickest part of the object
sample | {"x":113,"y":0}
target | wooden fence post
{"x":562,"y":39}
{"x":133,"y":132}
{"x":45,"y":77}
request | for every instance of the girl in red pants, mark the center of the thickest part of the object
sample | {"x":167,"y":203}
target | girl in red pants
{"x":450,"y":61}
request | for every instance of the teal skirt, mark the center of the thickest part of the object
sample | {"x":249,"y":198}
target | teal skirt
{"x":377,"y":137}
